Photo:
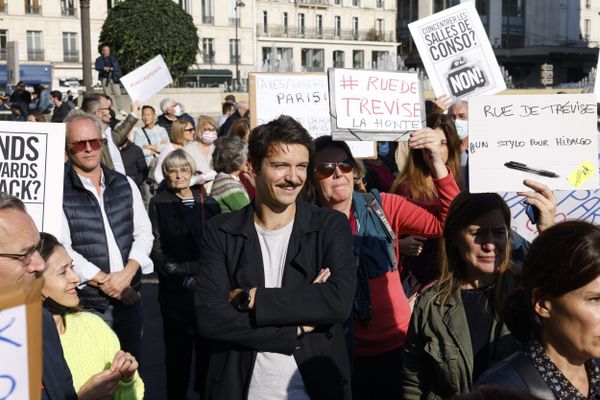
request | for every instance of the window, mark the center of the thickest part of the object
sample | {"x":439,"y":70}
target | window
{"x":337,"y":26}
{"x":586,"y":30}
{"x":70,"y":52}
{"x":356,"y":3}
{"x":207,"y":12}
{"x":3,"y":6}
{"x":208,"y":50}
{"x":3,"y":40}
{"x":186,"y":5}
{"x":338,"y":59}
{"x":358,"y":59}
{"x":378,"y":59}
{"x":277,"y":59}
{"x":379,"y":28}
{"x":234,"y":51}
{"x":379,"y":3}
{"x":285,"y":23}
{"x":33,"y":7}
{"x":67,"y":8}
{"x":312,"y":60}
{"x":301,"y":25}
{"x":355,"y":28}
{"x":337,"y":2}
{"x":319,"y":25}
{"x":588,"y":3}
{"x":35,"y":52}
{"x":265,"y":23}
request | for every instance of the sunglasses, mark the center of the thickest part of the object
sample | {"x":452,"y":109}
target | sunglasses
{"x":80,"y":146}
{"x":325,"y":170}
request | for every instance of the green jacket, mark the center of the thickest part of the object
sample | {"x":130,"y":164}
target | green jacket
{"x":438,"y":354}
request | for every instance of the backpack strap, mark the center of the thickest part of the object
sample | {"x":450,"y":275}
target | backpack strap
{"x":536,"y":384}
{"x":373,"y":200}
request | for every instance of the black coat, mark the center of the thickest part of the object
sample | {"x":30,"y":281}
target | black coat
{"x":231,"y":258}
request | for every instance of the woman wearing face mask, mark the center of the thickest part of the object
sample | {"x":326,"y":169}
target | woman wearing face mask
{"x":99,"y":368}
{"x":459,"y":112}
{"x":183,"y":133}
{"x":202,"y":147}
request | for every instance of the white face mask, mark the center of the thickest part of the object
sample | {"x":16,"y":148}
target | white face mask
{"x":177,"y":110}
{"x":209,"y":136}
{"x":462,"y":128}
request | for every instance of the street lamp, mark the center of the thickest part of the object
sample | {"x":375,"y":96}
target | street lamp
{"x":238,"y":4}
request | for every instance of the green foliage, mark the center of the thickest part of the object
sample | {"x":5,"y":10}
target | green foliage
{"x":139,"y":30}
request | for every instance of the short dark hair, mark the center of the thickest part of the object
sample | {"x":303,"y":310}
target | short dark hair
{"x":226,"y":107}
{"x":284,"y":130}
{"x":56,"y":94}
{"x":10,"y":202}
{"x":230,"y":154}
{"x":230,"y":98}
{"x":146,"y":106}
{"x":91,"y":102}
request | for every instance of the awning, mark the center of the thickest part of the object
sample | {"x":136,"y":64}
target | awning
{"x":208,"y":77}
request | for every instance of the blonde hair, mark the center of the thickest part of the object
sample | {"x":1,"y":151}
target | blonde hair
{"x":178,"y":130}
{"x":204,"y":120}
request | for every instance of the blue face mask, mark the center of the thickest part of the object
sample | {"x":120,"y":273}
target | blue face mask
{"x":383,"y":148}
{"x":462,"y":128}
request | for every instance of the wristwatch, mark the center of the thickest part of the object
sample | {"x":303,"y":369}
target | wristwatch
{"x":242,"y":301}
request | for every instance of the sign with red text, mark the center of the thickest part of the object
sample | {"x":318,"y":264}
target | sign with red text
{"x":374,"y":105}
{"x":548,"y":138}
{"x":456,"y":53}
{"x":32,"y":169}
{"x":303,"y":96}
{"x":147,"y":80}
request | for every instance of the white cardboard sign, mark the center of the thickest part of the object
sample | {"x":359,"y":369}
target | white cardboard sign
{"x":456,"y":53}
{"x":374,"y":105}
{"x":147,"y":80}
{"x":305,"y":97}
{"x":32,"y":169}
{"x":14,"y":372}
{"x":548,"y":138}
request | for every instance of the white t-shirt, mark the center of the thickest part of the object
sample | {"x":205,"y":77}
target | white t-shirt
{"x":275,"y":376}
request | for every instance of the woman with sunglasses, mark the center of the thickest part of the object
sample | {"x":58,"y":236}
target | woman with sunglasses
{"x":202,"y":147}
{"x":415,"y":182}
{"x":182,"y":133}
{"x":382,"y":313}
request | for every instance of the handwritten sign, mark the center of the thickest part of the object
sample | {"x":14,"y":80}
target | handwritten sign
{"x":305,"y":97}
{"x":147,"y":80}
{"x":374,"y":105}
{"x":540,"y":137}
{"x":31,"y":168}
{"x":20,"y":341}
{"x":456,"y":53}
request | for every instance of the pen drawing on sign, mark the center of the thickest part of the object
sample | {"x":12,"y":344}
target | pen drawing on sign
{"x":456,"y":53}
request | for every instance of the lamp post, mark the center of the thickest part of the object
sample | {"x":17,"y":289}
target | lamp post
{"x":238,"y":4}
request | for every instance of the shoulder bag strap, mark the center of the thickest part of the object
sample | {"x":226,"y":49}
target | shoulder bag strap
{"x":148,"y":139}
{"x":374,"y":205}
{"x":537,"y":385}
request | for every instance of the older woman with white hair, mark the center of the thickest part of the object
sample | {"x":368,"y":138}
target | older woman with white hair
{"x":172,"y":111}
{"x":229,"y":161}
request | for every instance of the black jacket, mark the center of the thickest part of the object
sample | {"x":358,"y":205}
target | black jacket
{"x":231,"y":258}
{"x":56,"y":376}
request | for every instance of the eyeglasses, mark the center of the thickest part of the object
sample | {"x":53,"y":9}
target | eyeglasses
{"x":26,"y":257}
{"x":462,"y":116}
{"x":189,"y":130}
{"x":81,"y":145}
{"x":182,"y":171}
{"x":325,"y":170}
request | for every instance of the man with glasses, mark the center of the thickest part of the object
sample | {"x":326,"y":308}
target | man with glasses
{"x":20,"y":261}
{"x":99,"y":105}
{"x":277,"y":281}
{"x":106,"y":231}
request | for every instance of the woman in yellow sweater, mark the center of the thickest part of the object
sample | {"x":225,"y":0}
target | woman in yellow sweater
{"x":100,"y":369}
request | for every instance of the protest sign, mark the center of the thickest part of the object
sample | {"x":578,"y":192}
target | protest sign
{"x":303,"y":96}
{"x":549,"y":138}
{"x":147,"y":80}
{"x":21,"y":341}
{"x":374,"y":105}
{"x":456,"y":53}
{"x":31,"y":168}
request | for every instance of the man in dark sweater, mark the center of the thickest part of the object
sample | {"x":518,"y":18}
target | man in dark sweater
{"x":61,"y":108}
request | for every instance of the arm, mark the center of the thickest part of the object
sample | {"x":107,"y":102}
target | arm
{"x":142,"y":169}
{"x":142,"y":232}
{"x":414,"y":374}
{"x":82,"y":267}
{"x":156,"y":254}
{"x":326,"y":303}
{"x":140,"y":139}
{"x":99,"y":65}
{"x":116,"y":66}
{"x":119,"y":134}
{"x":217,"y":319}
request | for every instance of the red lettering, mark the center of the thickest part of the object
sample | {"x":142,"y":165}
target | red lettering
{"x":347,"y":100}
{"x":376,"y":107}
{"x":372,"y":82}
{"x":363,"y":106}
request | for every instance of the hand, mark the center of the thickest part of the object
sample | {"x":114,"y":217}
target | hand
{"x":130,"y":297}
{"x":443,"y":102}
{"x":544,"y":199}
{"x":431,"y":142}
{"x":236,"y":292}
{"x":411,"y":245}
{"x":125,"y":364}
{"x":307,"y":329}
{"x":100,"y":278}
{"x":101,"y":386}
{"x":120,"y":280}
{"x":135,"y":107}
{"x":323,"y":275}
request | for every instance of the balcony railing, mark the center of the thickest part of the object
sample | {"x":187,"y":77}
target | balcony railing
{"x":208,"y":58}
{"x":2,"y":54}
{"x":71,"y":56}
{"x":68,"y":11}
{"x":293,"y":32}
{"x":208,"y":19}
{"x":324,"y":3}
{"x":232,"y":21}
{"x":33,"y":10}
{"x":35,"y":55}
{"x":232,"y":59}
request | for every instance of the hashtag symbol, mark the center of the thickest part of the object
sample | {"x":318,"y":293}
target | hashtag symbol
{"x":348,"y":82}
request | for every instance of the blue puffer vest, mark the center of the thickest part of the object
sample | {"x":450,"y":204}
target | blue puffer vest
{"x":88,"y":236}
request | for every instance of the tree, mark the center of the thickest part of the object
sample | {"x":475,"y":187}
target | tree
{"x":139,"y":30}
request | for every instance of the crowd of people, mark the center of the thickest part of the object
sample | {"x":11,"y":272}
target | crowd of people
{"x":288,"y":268}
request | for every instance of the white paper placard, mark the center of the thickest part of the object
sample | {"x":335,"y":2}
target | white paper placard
{"x":552,"y":133}
{"x":147,"y":80}
{"x":456,"y":53}
{"x":32,"y":169}
{"x":14,"y":368}
{"x":374,"y":105}
{"x":303,"y":96}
